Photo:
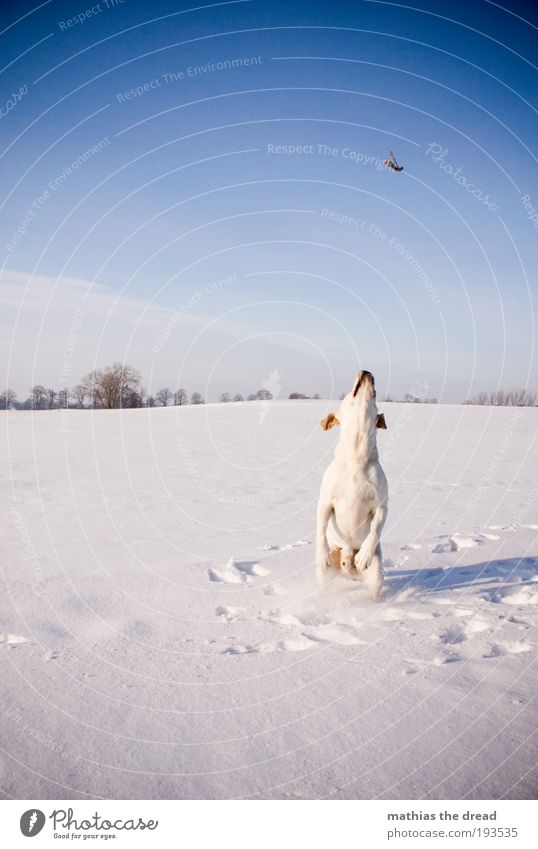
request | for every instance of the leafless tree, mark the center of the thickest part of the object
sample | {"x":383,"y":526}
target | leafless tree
{"x":196,"y":398}
{"x":518,"y":397}
{"x":225,"y":398}
{"x":180,"y":397}
{"x":111,"y":387}
{"x":51,"y":398}
{"x":63,"y":398}
{"x":238,"y":397}
{"x":79,"y":394}
{"x":163,"y":396}
{"x":39,"y":398}
{"x":7,"y":398}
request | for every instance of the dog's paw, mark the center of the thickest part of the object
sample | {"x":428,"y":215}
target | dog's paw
{"x":363,"y":558}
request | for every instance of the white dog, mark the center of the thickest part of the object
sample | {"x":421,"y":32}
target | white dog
{"x":353,"y":500}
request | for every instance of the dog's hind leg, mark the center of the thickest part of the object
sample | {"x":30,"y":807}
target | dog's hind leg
{"x":325,"y":511}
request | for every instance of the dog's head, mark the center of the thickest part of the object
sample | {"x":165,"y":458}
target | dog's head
{"x":358,"y":407}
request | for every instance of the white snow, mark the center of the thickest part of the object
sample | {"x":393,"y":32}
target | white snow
{"x":162,"y":634}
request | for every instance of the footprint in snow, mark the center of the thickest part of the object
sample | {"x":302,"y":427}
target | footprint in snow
{"x":458,"y":541}
{"x":230,"y":614}
{"x":12,"y":640}
{"x":237,"y":573}
{"x":499,"y":649}
{"x":287,"y":547}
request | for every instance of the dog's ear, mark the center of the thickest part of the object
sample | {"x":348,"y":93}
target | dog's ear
{"x":380,"y":422}
{"x":329,"y":421}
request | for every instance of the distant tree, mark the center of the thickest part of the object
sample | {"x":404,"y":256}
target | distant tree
{"x":163,"y":396}
{"x":500,"y":398}
{"x":39,"y":397}
{"x":51,"y":398}
{"x":252,"y":397}
{"x":264,"y":395}
{"x":134,"y":399}
{"x":180,"y":397}
{"x":63,"y":398}
{"x":238,"y":397}
{"x":110,"y":387}
{"x":150,"y":401}
{"x":294,"y":396}
{"x":225,"y":398}
{"x":7,"y":399}
{"x":388,"y":400}
{"x":196,"y":398}
{"x":342,"y":396}
{"x":79,"y":395}
{"x":316,"y":396}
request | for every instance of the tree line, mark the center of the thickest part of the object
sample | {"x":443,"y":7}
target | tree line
{"x":113,"y":387}
{"x":120,"y":386}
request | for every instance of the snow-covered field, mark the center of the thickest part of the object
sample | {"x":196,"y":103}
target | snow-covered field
{"x":163,"y":636}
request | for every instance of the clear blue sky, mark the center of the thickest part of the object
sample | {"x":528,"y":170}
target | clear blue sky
{"x":192,"y":241}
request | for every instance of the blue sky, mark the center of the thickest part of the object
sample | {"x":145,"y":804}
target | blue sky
{"x":228,"y":215}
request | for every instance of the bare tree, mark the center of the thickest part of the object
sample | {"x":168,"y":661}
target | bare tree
{"x":7,"y":398}
{"x":163,"y":396}
{"x":79,"y":394}
{"x":39,"y":397}
{"x":225,"y":398}
{"x":252,"y":397}
{"x":51,"y":398}
{"x":500,"y":398}
{"x":150,"y":401}
{"x":196,"y":398}
{"x":264,"y":395}
{"x":238,"y":397}
{"x":111,"y":387}
{"x":180,"y":397}
{"x":63,"y":398}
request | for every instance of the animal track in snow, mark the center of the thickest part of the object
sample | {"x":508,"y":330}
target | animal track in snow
{"x":12,"y":640}
{"x":230,"y":614}
{"x":457,"y":541}
{"x":498,"y":649}
{"x":287,"y":547}
{"x":237,"y":573}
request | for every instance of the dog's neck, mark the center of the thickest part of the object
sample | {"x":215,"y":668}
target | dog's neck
{"x":358,"y":442}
